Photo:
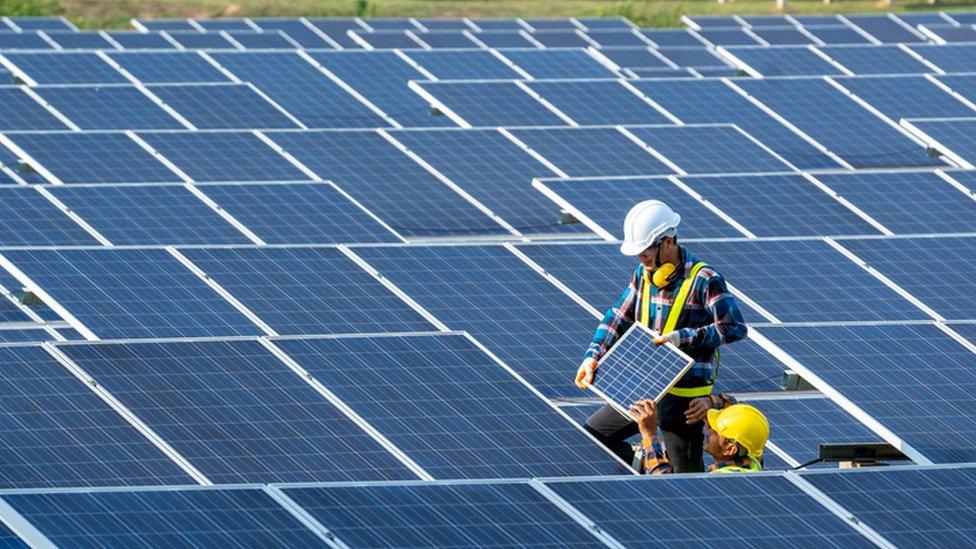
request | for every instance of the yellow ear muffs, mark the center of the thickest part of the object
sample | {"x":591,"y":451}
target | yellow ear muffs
{"x":663,"y":275}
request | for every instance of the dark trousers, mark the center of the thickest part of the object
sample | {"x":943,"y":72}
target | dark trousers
{"x":682,"y":442}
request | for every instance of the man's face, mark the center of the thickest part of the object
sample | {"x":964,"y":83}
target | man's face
{"x":714,"y":444}
{"x":647,"y":257}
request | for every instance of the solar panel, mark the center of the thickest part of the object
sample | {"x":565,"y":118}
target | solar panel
{"x":805,"y":281}
{"x":949,"y":57}
{"x":539,"y":331}
{"x":883,"y":60}
{"x":907,"y":202}
{"x":698,"y":57}
{"x":74,"y":40}
{"x":12,"y":41}
{"x":614,"y":37}
{"x":66,"y":68}
{"x":443,"y":24}
{"x":295,"y":29}
{"x":950,"y":137}
{"x":782,"y":36}
{"x":223,"y":24}
{"x":686,"y":510}
{"x":633,"y":58}
{"x":382,"y":78}
{"x":168,"y":67}
{"x":451,"y":408}
{"x":493,"y":24}
{"x":19,"y":111}
{"x":390,"y":23}
{"x":710,"y":101}
{"x":27,"y":218}
{"x":849,"y":130}
{"x":709,"y":149}
{"x":386,"y":39}
{"x":711,"y":21}
{"x":201,"y":40}
{"x":131,"y":293}
{"x":885,"y":29}
{"x":74,"y":157}
{"x":905,"y":260}
{"x":569,"y":38}
{"x":920,"y":507}
{"x":922,"y":18}
{"x":504,"y":39}
{"x":964,"y":85}
{"x":25,"y":335}
{"x":837,"y":34}
{"x":18,"y":168}
{"x":556,"y":63}
{"x":165,"y":24}
{"x":486,"y":104}
{"x":728,"y":37}
{"x":783,"y":61}
{"x":223,"y":156}
{"x":336,"y":29}
{"x":58,"y":432}
{"x":549,"y":23}
{"x":494,"y":170}
{"x":140,"y":40}
{"x":108,"y":108}
{"x":307,"y":290}
{"x":447,"y":39}
{"x":214,"y":517}
{"x":29,"y":23}
{"x":251,"y":39}
{"x":779,"y":205}
{"x":148,"y":214}
{"x":388,"y":182}
{"x":949,"y":33}
{"x":915,"y":380}
{"x":906,"y":97}
{"x":460,"y":65}
{"x":598,"y":102}
{"x":671,"y":37}
{"x":592,"y":151}
{"x":432,"y":515}
{"x":761,"y":22}
{"x":236,"y":412}
{"x":299,"y":213}
{"x":232,"y":106}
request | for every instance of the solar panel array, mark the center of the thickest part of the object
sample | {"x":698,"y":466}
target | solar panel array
{"x":319,"y":280}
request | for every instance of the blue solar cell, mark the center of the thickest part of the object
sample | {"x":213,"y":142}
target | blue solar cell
{"x":906,"y":261}
{"x":568,"y":63}
{"x":66,"y":68}
{"x":778,"y":514}
{"x":607,"y":38}
{"x":671,"y":37}
{"x":914,"y":507}
{"x":780,"y":205}
{"x":782,"y":36}
{"x":387,"y":39}
{"x":598,"y":102}
{"x":336,"y":29}
{"x":295,"y":29}
{"x":58,"y":432}
{"x":236,"y":412}
{"x":906,"y":97}
{"x":907,"y":202}
{"x":262,"y":40}
{"x":109,"y":108}
{"x":570,"y":38}
{"x":875,"y":59}
{"x":505,"y":39}
{"x":165,"y":67}
{"x":728,"y":37}
{"x":12,"y":41}
{"x":382,"y":78}
{"x":216,"y":518}
{"x":710,"y":101}
{"x":447,"y":39}
{"x":19,"y":111}
{"x":148,"y":214}
{"x":73,"y":40}
{"x":28,"y":23}
{"x":634,"y":57}
{"x":223,"y":156}
{"x":27,"y":218}
{"x":141,"y":40}
{"x":486,"y":104}
{"x":94,"y":158}
{"x":914,"y":379}
{"x":461,"y":65}
{"x":785,"y":61}
{"x":837,"y":34}
{"x":709,"y":149}
{"x":298,"y":213}
{"x":693,"y":57}
{"x":805,"y":280}
{"x":436,"y":377}
{"x":131,"y":293}
{"x":201,"y":40}
{"x":231,"y":106}
{"x":166,"y":24}
{"x":386,"y":181}
{"x":582,"y":152}
{"x":301,"y":89}
{"x":494,"y":170}
{"x":885,"y":28}
{"x":307,"y":290}
{"x":436,"y":515}
{"x":518,"y":314}
{"x":832,"y":118}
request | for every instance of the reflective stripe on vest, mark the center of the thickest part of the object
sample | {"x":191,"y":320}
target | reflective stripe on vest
{"x":673,"y":315}
{"x":753,"y":468}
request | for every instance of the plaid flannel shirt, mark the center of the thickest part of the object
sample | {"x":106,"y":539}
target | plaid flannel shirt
{"x":711,"y":317}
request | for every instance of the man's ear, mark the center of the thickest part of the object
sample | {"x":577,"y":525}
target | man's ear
{"x":730,"y":449}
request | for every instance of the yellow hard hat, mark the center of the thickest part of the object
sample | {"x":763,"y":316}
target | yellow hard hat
{"x":743,"y":424}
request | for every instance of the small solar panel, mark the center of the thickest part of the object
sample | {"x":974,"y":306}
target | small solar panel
{"x":950,"y":136}
{"x":728,"y":37}
{"x":66,"y":68}
{"x":460,"y":65}
{"x":963,"y":84}
{"x":697,"y":57}
{"x":598,"y":102}
{"x":307,"y":290}
{"x":437,"y":515}
{"x":148,"y":214}
{"x":386,"y":39}
{"x":906,"y":97}
{"x":885,"y":29}
{"x":451,"y":407}
{"x":234,"y":106}
{"x":19,"y":111}
{"x":223,"y":24}
{"x":883,"y":60}
{"x":295,"y":29}
{"x":168,"y":67}
{"x":29,"y":23}
{"x":336,"y":29}
{"x":709,"y":149}
{"x":261,"y":40}
{"x":75,"y":157}
{"x":236,"y":412}
{"x":634,"y":57}
{"x":614,"y":37}
{"x":446,"y":39}
{"x":13,"y":41}
{"x":582,"y":152}
{"x":539,"y":23}
{"x":223,"y":156}
{"x":212,"y":517}
{"x":109,"y":108}
{"x":486,"y":104}
{"x":495,"y":24}
{"x":140,"y":40}
{"x":504,"y":39}
{"x":782,"y":36}
{"x":837,"y":34}
{"x":555,"y":63}
{"x":592,"y":23}
{"x":57,"y":432}
{"x":712,"y":21}
{"x":165,"y":24}
{"x":131,"y":293}
{"x":27,"y":218}
{"x":915,"y":380}
{"x":561,"y":39}
{"x":390,"y":23}
{"x":784,"y":61}
{"x":201,"y":40}
{"x":74,"y":40}
{"x":671,"y":37}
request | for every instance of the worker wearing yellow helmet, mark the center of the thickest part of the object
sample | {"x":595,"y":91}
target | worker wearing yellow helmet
{"x":734,"y":436}
{"x":688,"y":303}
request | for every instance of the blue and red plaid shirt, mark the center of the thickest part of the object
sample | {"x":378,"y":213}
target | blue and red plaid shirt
{"x":711,"y":317}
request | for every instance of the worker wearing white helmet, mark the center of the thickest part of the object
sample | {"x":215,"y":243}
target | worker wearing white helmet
{"x":685,"y":301}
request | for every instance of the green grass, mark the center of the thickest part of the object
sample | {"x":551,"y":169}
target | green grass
{"x":650,"y":13}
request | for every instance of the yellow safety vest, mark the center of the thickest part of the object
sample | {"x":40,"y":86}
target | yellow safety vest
{"x":673,"y":315}
{"x":754,"y":467}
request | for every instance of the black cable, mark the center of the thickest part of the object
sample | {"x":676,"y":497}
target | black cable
{"x":811,"y":462}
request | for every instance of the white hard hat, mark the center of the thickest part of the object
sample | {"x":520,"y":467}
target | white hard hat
{"x":646,"y":223}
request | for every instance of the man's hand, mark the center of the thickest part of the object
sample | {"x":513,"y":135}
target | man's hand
{"x":697,"y":410}
{"x":644,"y":413}
{"x":674,"y":338}
{"x":584,"y":376}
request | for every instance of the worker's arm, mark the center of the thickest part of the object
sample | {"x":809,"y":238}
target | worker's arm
{"x":699,"y":407}
{"x":653,"y":459}
{"x":727,"y":324}
{"x":617,"y":319}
